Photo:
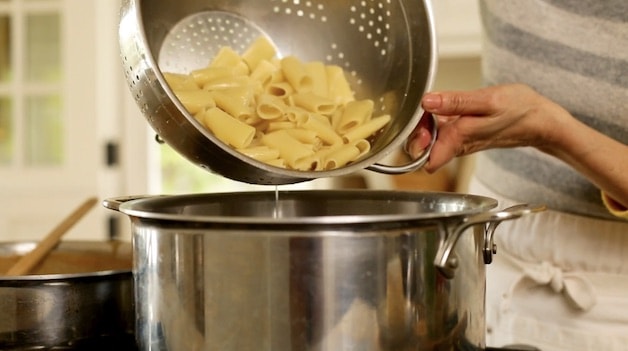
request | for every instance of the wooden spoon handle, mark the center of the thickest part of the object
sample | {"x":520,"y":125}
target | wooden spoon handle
{"x":30,"y":260}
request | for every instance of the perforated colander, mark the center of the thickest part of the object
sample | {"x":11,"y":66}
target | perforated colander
{"x":387,"y":48}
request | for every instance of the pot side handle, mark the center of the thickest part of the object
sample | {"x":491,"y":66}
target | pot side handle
{"x":447,"y":264}
{"x":414,"y":165}
{"x":113,"y":203}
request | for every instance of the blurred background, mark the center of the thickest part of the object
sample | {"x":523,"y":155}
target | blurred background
{"x":69,"y":128}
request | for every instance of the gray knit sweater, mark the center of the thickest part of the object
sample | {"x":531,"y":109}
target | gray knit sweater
{"x":574,"y":52}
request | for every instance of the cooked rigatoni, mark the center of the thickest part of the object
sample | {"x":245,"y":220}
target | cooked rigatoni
{"x":283,"y":112}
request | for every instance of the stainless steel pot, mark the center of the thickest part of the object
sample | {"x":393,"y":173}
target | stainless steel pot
{"x":312,"y":270}
{"x":82,"y":292}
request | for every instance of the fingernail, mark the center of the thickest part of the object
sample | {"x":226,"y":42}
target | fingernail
{"x":432,"y":102}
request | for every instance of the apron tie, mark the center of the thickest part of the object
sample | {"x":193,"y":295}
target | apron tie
{"x":577,"y":289}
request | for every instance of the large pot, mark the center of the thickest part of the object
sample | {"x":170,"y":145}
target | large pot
{"x":312,"y":270}
{"x":80,"y":297}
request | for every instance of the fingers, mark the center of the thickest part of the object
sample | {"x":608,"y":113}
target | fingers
{"x":421,"y":137}
{"x":442,"y":153}
{"x":418,"y":142}
{"x":443,"y":150}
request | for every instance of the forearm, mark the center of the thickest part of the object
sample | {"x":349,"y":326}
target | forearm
{"x":603,"y":160}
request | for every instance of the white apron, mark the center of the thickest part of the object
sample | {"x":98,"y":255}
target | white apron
{"x":558,"y":282}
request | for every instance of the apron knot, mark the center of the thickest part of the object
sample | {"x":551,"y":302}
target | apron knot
{"x":577,"y":289}
{"x":546,"y":274}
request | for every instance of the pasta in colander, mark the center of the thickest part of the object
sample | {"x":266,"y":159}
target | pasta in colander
{"x":283,"y":112}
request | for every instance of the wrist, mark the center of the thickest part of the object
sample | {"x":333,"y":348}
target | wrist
{"x":559,"y":132}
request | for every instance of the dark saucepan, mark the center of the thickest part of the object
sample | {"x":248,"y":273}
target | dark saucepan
{"x":83,"y":290}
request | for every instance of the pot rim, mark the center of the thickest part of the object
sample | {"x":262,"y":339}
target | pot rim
{"x":151,"y":207}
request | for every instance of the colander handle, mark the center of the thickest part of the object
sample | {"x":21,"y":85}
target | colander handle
{"x":414,"y":165}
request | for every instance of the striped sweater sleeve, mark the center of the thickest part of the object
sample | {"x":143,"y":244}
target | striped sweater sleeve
{"x":576,"y":54}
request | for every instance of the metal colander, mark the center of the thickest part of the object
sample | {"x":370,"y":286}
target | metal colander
{"x":387,"y":47}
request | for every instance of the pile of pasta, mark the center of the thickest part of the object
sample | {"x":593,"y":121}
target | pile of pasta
{"x":284,"y":112}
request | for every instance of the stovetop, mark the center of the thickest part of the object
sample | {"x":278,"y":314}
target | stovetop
{"x":127,"y":343}
{"x":103,"y":343}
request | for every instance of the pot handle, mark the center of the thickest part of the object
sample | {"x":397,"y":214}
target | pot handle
{"x":114,"y":203}
{"x":414,"y":165}
{"x":444,"y":260}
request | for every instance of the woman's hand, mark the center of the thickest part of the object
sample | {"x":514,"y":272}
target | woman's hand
{"x":515,"y":115}
{"x":494,"y":117}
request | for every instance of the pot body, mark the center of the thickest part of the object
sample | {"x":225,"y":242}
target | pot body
{"x":313,"y":270}
{"x":66,"y":302}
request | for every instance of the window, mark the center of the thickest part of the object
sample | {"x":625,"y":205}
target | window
{"x":31,"y":73}
{"x":50,"y":141}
